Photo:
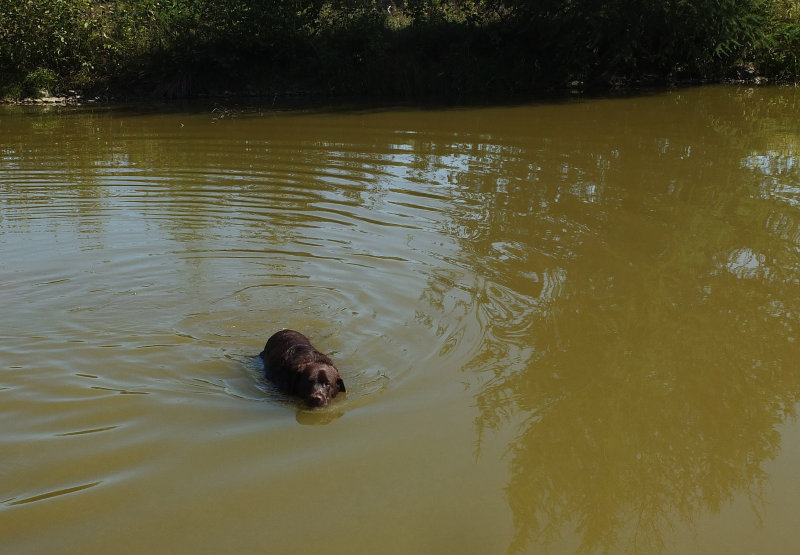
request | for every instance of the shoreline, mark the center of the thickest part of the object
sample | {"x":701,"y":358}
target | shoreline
{"x":574,"y":88}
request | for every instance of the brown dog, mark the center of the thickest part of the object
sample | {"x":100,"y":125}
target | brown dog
{"x":297,"y":368}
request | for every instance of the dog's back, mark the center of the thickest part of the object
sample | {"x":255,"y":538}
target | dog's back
{"x":282,"y":340}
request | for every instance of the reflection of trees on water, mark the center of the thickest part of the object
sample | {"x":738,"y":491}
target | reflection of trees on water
{"x":640,"y":320}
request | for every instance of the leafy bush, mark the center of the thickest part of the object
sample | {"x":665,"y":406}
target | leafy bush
{"x":596,"y":40}
{"x":778,"y":55}
{"x":456,"y":48}
{"x":53,"y":34}
{"x":39,"y":82}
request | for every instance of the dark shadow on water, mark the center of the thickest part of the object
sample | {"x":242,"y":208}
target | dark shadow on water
{"x":225,"y":107}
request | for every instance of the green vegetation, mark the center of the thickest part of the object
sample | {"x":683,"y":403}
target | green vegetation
{"x":779,"y":54}
{"x":451,"y":48}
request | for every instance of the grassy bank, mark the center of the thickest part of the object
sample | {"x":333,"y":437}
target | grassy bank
{"x":446,"y":48}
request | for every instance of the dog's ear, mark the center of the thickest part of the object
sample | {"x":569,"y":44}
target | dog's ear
{"x":340,"y":383}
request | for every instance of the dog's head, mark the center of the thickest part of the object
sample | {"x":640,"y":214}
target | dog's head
{"x":319,"y":383}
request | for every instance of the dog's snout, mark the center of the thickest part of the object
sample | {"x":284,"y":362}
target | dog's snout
{"x":318,"y":399}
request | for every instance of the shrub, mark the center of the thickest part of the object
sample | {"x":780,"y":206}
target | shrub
{"x":456,"y":48}
{"x":594,"y":39}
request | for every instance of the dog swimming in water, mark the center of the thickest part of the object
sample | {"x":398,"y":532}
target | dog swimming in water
{"x":293,"y":364}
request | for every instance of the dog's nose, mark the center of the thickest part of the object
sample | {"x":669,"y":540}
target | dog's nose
{"x":318,"y":399}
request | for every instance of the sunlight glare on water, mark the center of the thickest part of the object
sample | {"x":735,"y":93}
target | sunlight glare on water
{"x":568,"y":326}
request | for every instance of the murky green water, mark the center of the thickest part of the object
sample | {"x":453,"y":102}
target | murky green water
{"x":563,"y":327}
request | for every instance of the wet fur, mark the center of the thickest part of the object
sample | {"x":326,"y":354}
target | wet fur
{"x":293,"y":364}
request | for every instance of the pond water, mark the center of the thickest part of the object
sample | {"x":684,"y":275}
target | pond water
{"x":567,"y":326}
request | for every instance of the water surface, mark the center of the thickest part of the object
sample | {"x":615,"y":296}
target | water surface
{"x":569,"y":326}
